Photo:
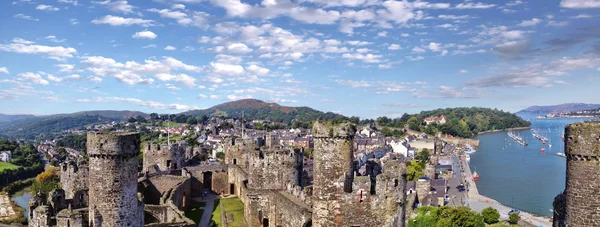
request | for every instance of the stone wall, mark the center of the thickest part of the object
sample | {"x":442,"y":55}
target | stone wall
{"x":274,"y":169}
{"x":218,"y":175}
{"x":72,"y":218}
{"x":333,"y":171}
{"x":113,"y":170}
{"x":164,"y":157}
{"x":582,"y":203}
{"x":74,"y":179}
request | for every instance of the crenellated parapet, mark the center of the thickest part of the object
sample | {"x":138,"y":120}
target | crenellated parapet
{"x":577,"y":206}
{"x":164,"y":157}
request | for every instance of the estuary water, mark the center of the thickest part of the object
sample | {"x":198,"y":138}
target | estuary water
{"x":523,"y":177}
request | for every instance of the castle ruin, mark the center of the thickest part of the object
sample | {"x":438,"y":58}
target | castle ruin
{"x":278,"y":186}
{"x":579,"y":204}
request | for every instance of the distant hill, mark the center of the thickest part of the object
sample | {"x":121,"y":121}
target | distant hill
{"x":122,"y":114}
{"x":29,"y":128}
{"x":257,"y":109}
{"x":468,"y":122}
{"x":8,"y":117}
{"x":562,"y":108}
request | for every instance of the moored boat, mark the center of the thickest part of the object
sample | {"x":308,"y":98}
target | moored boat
{"x":560,"y":154}
{"x":475,"y":176}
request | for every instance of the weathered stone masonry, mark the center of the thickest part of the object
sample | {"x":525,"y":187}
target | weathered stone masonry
{"x":113,"y":179}
{"x":579,"y":204}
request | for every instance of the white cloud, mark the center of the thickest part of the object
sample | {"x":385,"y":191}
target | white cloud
{"x":226,"y":69}
{"x":463,"y":71}
{"x":435,"y":47}
{"x":472,"y":5}
{"x":368,"y":58}
{"x":117,"y":6}
{"x":358,"y":43}
{"x":73,"y":77}
{"x":198,"y":19}
{"x":180,"y":78}
{"x":144,"y":35}
{"x":418,"y":50}
{"x":179,"y":107}
{"x":558,"y":24}
{"x":73,"y":2}
{"x":257,"y":70}
{"x":120,"y":21}
{"x":531,"y":22}
{"x":4,"y":70}
{"x":47,"y":8}
{"x":382,"y":34}
{"x":66,"y":67}
{"x":214,"y":97}
{"x":202,"y":96}
{"x":73,"y":21}
{"x":238,"y":48}
{"x":169,"y":47}
{"x":394,"y":47}
{"x":22,"y":16}
{"x":580,"y":4}
{"x":33,"y":77}
{"x":172,"y":87}
{"x":27,"y":47}
{"x":54,"y":39}
{"x":178,"y":6}
{"x":149,"y":46}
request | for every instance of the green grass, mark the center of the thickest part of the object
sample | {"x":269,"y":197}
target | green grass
{"x":232,"y":206}
{"x":195,"y":211}
{"x":6,"y":165}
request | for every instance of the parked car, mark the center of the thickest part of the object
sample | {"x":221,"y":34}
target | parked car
{"x":515,"y":211}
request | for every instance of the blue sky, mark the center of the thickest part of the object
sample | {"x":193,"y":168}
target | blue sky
{"x":366,"y":58}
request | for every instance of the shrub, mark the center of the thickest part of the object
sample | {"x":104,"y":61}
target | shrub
{"x":490,"y":215}
{"x":513,"y":218}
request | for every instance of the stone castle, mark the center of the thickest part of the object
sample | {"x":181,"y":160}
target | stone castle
{"x":275,"y":185}
{"x":579,"y":204}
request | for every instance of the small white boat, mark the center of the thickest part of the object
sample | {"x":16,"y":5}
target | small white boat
{"x":467,"y":157}
{"x":560,"y":154}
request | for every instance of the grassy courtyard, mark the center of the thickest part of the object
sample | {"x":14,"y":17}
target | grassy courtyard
{"x":6,"y":165}
{"x":195,"y":211}
{"x":232,"y":207}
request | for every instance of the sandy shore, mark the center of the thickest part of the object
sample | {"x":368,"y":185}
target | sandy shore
{"x":479,"y":202}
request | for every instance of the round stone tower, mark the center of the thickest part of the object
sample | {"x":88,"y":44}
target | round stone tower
{"x":582,"y":144}
{"x":333,"y":171}
{"x":113,"y":171}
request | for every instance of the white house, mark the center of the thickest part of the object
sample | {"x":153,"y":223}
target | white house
{"x":400,"y":147}
{"x":5,"y":156}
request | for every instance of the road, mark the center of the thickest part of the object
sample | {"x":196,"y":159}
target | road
{"x":208,"y":209}
{"x":456,"y":198}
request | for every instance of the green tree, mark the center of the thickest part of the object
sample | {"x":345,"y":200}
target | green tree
{"x":221,"y":156}
{"x":386,"y":131}
{"x":45,"y":181}
{"x":414,"y":170}
{"x":423,"y":155}
{"x":490,"y":215}
{"x":413,"y":123}
{"x":513,"y":218}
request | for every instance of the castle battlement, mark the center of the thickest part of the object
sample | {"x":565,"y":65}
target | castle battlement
{"x":125,"y":144}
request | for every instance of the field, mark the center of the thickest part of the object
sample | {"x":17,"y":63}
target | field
{"x":232,"y":207}
{"x":6,"y":165}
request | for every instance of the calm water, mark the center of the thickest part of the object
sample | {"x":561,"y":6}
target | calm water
{"x":21,"y":198}
{"x":529,"y":176}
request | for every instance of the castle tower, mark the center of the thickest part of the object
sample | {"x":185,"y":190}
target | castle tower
{"x":581,"y":200}
{"x":113,"y":168}
{"x":333,"y":171}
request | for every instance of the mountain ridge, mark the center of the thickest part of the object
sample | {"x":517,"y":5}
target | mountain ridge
{"x":560,"y":108}
{"x":258,"y":109}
